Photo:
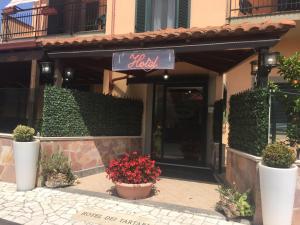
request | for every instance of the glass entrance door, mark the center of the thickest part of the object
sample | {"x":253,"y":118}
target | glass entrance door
{"x":179,"y":124}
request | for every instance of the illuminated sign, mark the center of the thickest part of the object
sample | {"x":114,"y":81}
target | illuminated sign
{"x":143,"y":60}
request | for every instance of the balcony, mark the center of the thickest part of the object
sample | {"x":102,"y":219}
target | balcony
{"x":239,"y":9}
{"x":57,"y":19}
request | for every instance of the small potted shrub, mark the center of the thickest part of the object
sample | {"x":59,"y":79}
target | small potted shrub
{"x":278,"y":176}
{"x":56,"y":170}
{"x":134,"y":175}
{"x":26,"y":153}
{"x":233,"y":203}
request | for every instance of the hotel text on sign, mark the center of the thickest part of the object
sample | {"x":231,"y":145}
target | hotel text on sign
{"x":143,"y":60}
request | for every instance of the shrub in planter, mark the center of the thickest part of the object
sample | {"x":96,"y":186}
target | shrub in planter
{"x":56,"y":170}
{"x":134,"y":175}
{"x":26,"y":152}
{"x":278,"y":155}
{"x":278,"y":176}
{"x":23,"y":133}
{"x":233,"y":203}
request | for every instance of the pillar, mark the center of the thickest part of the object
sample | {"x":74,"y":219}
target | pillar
{"x":34,"y":85}
{"x":58,"y":73}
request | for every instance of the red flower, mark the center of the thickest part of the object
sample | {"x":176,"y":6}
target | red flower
{"x":133,"y":168}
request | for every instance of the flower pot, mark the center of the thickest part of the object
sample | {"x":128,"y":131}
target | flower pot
{"x":26,"y":161}
{"x":277,"y":188}
{"x":134,"y":191}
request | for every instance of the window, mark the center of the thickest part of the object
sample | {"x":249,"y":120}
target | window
{"x":163,"y":14}
{"x":158,"y":14}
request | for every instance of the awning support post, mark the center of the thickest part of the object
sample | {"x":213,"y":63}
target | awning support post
{"x":263,"y":71}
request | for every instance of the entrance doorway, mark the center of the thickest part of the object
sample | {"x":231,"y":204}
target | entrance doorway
{"x":179,"y":124}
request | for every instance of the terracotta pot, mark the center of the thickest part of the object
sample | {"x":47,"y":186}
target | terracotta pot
{"x":134,"y":191}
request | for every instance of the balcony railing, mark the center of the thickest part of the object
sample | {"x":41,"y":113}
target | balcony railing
{"x":67,"y":18}
{"x":249,"y":8}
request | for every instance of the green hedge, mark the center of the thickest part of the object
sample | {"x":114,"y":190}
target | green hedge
{"x":218,"y":120}
{"x":248,"y":120}
{"x":72,"y":113}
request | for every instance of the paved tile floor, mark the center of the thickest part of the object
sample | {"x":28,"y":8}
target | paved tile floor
{"x":173,"y":191}
{"x":53,"y":207}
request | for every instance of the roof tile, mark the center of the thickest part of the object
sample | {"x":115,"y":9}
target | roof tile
{"x":173,"y":34}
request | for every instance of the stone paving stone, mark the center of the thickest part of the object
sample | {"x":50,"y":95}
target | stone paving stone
{"x":52,"y":207}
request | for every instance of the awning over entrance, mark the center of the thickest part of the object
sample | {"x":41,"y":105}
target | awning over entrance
{"x":215,"y":48}
{"x":20,"y":51}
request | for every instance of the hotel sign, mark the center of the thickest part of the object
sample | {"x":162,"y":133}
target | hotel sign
{"x":111,"y":218}
{"x":146,"y":60}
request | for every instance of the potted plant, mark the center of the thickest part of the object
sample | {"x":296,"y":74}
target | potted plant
{"x":233,"y":204}
{"x":278,"y":176}
{"x":56,"y":170}
{"x":134,"y":175}
{"x":26,"y":152}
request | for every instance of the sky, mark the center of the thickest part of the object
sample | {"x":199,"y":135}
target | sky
{"x":3,"y":3}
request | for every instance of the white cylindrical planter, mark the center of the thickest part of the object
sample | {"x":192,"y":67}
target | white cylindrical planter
{"x":277,"y":187}
{"x":26,"y":161}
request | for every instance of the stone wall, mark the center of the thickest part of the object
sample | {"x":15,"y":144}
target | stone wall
{"x":87,"y":154}
{"x":242,"y":171}
{"x":7,"y":168}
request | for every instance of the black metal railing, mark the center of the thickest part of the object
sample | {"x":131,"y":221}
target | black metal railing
{"x":248,"y":8}
{"x":61,"y":18}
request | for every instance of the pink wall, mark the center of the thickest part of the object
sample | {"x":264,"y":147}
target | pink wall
{"x":242,"y":172}
{"x":84,"y":153}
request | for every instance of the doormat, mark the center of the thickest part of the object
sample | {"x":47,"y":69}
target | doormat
{"x":111,"y":218}
{"x":187,"y":173}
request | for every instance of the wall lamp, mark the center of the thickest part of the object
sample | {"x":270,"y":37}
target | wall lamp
{"x":269,"y":61}
{"x":46,"y":71}
{"x":68,"y":74}
{"x":166,"y":75}
{"x":46,"y":67}
{"x":254,"y":67}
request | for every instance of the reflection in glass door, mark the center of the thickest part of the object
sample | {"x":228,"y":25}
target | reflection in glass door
{"x":179,"y":124}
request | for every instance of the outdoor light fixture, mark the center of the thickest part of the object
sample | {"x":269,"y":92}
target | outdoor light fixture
{"x":262,"y":67}
{"x":46,"y":67}
{"x":271,"y":59}
{"x":254,"y":67}
{"x":46,"y":71}
{"x":69,"y":74}
{"x":166,"y":75}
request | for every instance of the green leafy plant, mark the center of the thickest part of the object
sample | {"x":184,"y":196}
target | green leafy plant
{"x":248,"y":120}
{"x":56,"y":169}
{"x":73,"y":113}
{"x":233,"y":203}
{"x":219,"y":118}
{"x":289,"y":69}
{"x":23,"y":133}
{"x":278,"y":155}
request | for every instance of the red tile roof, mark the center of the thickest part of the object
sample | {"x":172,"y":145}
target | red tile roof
{"x":195,"y":33}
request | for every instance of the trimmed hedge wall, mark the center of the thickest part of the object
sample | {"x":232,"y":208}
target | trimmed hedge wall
{"x":69,"y":113}
{"x":248,"y":120}
{"x":218,"y":120}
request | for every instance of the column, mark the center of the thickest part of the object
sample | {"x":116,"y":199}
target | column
{"x":34,"y":85}
{"x":58,"y":73}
